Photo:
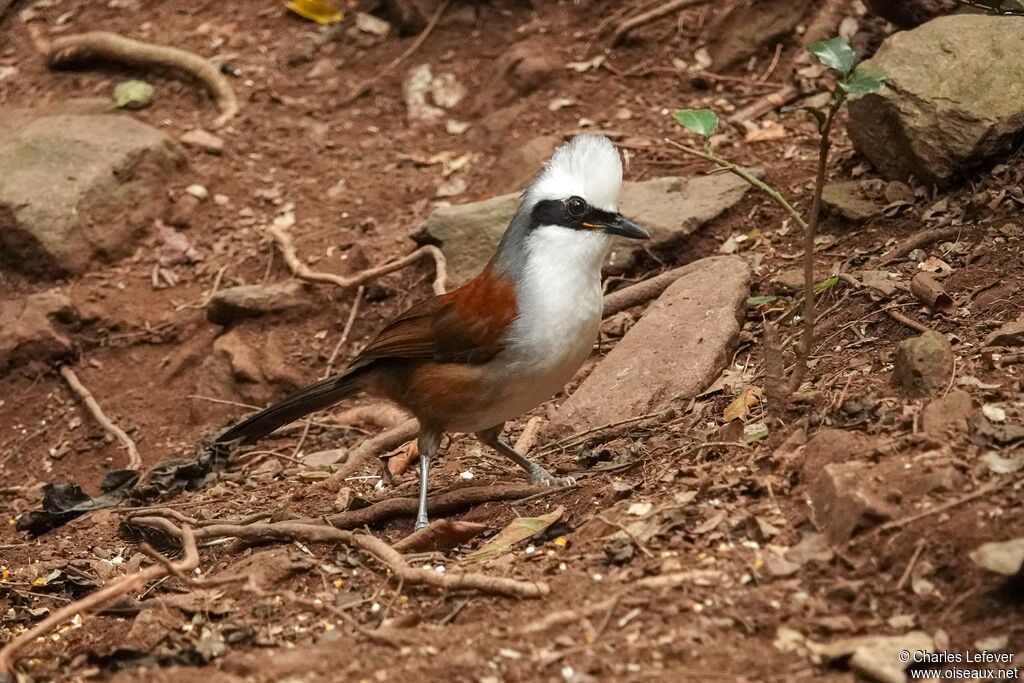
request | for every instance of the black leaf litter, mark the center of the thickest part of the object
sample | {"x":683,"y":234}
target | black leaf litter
{"x":62,"y":502}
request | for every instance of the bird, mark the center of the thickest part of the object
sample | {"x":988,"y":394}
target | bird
{"x":508,"y":340}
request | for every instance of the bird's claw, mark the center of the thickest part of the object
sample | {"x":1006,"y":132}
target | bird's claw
{"x":541,"y":477}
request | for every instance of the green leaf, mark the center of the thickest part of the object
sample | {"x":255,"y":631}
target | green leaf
{"x":133,"y":95}
{"x":700,"y":121}
{"x":826,"y":284}
{"x":834,"y":53}
{"x":761,"y":300}
{"x":865,"y":79}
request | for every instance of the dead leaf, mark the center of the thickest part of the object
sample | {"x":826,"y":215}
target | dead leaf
{"x":710,"y":524}
{"x":519,"y":530}
{"x":402,"y":457}
{"x":740,"y":407}
{"x":319,"y":11}
{"x":443,"y":534}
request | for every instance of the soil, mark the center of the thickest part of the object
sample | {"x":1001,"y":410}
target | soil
{"x":719,"y":509}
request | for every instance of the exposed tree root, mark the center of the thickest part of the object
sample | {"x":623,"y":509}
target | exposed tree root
{"x":444,"y":504}
{"x":391,"y":558}
{"x":303,"y":272}
{"x":110,"y":593}
{"x":369,"y":449}
{"x":134,"y":459}
{"x":102,"y":45}
{"x":921,"y":239}
{"x":623,"y":29}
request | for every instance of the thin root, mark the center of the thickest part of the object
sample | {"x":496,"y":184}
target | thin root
{"x":134,"y":459}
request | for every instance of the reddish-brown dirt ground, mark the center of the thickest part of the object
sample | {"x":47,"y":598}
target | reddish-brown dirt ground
{"x":716,"y":511}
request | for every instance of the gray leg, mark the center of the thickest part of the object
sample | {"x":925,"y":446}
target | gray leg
{"x":538,"y":475}
{"x":427,"y":444}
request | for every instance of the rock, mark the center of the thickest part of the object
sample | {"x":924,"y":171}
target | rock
{"x":910,"y":13}
{"x":877,"y":658}
{"x":1010,"y":334}
{"x":948,"y":413}
{"x":27,"y":330}
{"x":78,"y":187}
{"x":674,"y":351}
{"x":182,"y":211}
{"x":243,"y":358}
{"x":843,"y":503}
{"x":924,"y":364}
{"x":200,"y":139}
{"x":1006,"y":558}
{"x":670,"y":209}
{"x":231,"y":304}
{"x":520,"y":70}
{"x":415,"y":89}
{"x":829,"y":446}
{"x":741,"y":32}
{"x":519,"y":163}
{"x":949,"y":107}
{"x":847,"y":198}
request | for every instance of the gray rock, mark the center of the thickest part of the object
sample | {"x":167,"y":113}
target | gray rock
{"x":78,"y":187}
{"x":949,"y":412}
{"x":955,"y":98}
{"x":843,"y":502}
{"x":518,"y":164}
{"x":232,"y":304}
{"x":847,"y":198}
{"x":670,"y":208}
{"x":27,"y":330}
{"x":1010,"y":334}
{"x":924,"y":364}
{"x":674,"y":351}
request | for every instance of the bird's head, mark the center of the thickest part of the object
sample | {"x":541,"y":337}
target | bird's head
{"x":579,"y":189}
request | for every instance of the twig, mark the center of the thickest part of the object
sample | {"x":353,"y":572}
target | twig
{"x":736,"y":170}
{"x":70,"y":50}
{"x":134,"y":460}
{"x":303,"y":272}
{"x":391,"y":558}
{"x":919,"y":240}
{"x":623,"y":29}
{"x":909,"y":322}
{"x":989,"y":8}
{"x":578,"y":437}
{"x":104,"y":596}
{"x":988,"y":488}
{"x":366,"y":86}
{"x":910,"y":565}
{"x":765,"y":104}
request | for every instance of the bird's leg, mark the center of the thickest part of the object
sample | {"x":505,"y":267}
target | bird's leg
{"x":427,"y":444}
{"x":538,"y":475}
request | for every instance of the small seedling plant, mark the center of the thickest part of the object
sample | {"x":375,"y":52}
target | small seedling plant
{"x":851,"y":79}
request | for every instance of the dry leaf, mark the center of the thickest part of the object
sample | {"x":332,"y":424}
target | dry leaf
{"x":319,"y":11}
{"x":444,"y":534}
{"x":740,"y":407}
{"x":519,"y":530}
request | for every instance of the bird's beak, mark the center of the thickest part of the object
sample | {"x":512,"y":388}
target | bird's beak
{"x":623,"y":227}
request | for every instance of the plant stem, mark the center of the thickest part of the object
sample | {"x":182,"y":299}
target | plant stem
{"x":810,"y":232}
{"x":736,"y":170}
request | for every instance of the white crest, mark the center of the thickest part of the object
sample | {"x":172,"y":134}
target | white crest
{"x":587,"y":166}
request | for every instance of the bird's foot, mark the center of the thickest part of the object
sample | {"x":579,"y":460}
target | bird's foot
{"x":541,"y":477}
{"x":421,"y":521}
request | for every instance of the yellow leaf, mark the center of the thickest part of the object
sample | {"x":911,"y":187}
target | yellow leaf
{"x":319,"y":11}
{"x":739,"y":409}
{"x":517,"y":531}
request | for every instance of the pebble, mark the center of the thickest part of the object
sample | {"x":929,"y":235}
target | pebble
{"x":198,"y":191}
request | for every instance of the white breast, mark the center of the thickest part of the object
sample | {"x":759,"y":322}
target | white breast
{"x":559,"y":300}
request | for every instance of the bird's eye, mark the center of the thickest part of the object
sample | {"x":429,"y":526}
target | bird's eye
{"x":576,"y":206}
